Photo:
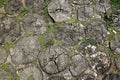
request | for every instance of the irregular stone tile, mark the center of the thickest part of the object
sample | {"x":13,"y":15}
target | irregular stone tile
{"x":34,"y":24}
{"x":85,"y":12}
{"x":9,"y":30}
{"x":56,"y":78}
{"x":78,"y":65}
{"x":81,"y":2}
{"x":100,"y":62}
{"x":3,"y":75}
{"x":111,"y":76}
{"x":102,"y":5}
{"x":7,"y":72}
{"x":116,"y":18}
{"x":25,"y":50}
{"x":53,"y":60}
{"x":13,"y":6}
{"x":96,"y":31}
{"x":60,"y":10}
{"x":86,"y":77}
{"x":3,"y":55}
{"x":115,"y":45}
{"x":117,"y":61}
{"x":31,"y":72}
{"x":69,"y":34}
{"x":35,"y":5}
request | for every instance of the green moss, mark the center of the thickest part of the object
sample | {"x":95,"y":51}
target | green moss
{"x":109,"y":52}
{"x":4,"y":67}
{"x":10,"y":77}
{"x":7,"y":46}
{"x":26,"y":34}
{"x":18,"y":77}
{"x":23,"y":11}
{"x":34,"y":62}
{"x":44,"y":11}
{"x":3,"y":2}
{"x":57,"y":42}
{"x":30,"y":78}
{"x":42,"y":41}
{"x":17,"y":19}
{"x":115,"y":4}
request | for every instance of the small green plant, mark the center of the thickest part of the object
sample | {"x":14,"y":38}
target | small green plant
{"x":44,"y":11}
{"x":115,"y":4}
{"x":42,"y":41}
{"x":30,"y":78}
{"x":18,"y":77}
{"x":17,"y":19}
{"x":10,"y":77}
{"x":23,"y":11}
{"x":3,"y":2}
{"x":26,"y":34}
{"x":34,"y":62}
{"x":4,"y":66}
{"x":57,"y":42}
{"x":7,"y":46}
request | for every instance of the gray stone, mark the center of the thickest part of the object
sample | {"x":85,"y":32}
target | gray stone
{"x":100,"y":62}
{"x":85,"y":13}
{"x":116,"y":18}
{"x":117,"y":61}
{"x":13,"y":6}
{"x":60,"y":10}
{"x":56,"y":78}
{"x":115,"y":44}
{"x":78,"y":65}
{"x":69,"y":34}
{"x":31,"y":71}
{"x":111,"y":76}
{"x":3,"y":55}
{"x":25,"y":50}
{"x":10,"y":30}
{"x":53,"y":60}
{"x":3,"y":75}
{"x":34,"y":24}
{"x":102,"y":5}
{"x":96,"y":31}
{"x":86,"y":77}
{"x":35,"y":5}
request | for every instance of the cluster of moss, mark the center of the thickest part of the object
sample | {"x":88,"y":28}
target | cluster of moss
{"x":115,"y":4}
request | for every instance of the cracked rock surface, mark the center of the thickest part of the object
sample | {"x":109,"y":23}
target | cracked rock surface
{"x":59,"y":40}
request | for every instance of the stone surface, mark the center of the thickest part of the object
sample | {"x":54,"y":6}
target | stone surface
{"x":3,"y":55}
{"x":25,"y":50}
{"x":86,"y":77}
{"x":56,"y":78}
{"x":96,"y":31}
{"x":34,"y":24}
{"x":60,"y":10}
{"x":31,"y":71}
{"x":78,"y":65}
{"x":53,"y":60}
{"x":35,"y":5}
{"x":115,"y":45}
{"x":69,"y":34}
{"x":101,"y":62}
{"x":112,"y":76}
{"x":10,"y":30}
{"x":13,"y":6}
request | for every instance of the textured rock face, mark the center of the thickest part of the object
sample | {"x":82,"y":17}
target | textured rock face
{"x":59,"y":40}
{"x":53,"y":60}
{"x":69,"y":34}
{"x":34,"y":24}
{"x":3,"y":55}
{"x":32,"y":72}
{"x":115,"y":45}
{"x":78,"y":65}
{"x":35,"y":5}
{"x":13,"y":6}
{"x":25,"y":50}
{"x":96,"y":31}
{"x":59,"y":10}
{"x":10,"y":30}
